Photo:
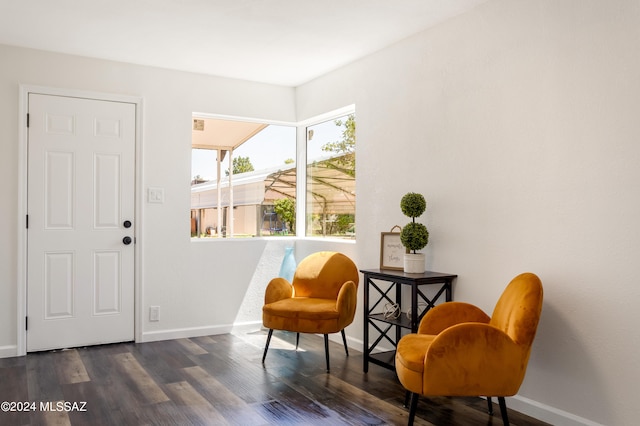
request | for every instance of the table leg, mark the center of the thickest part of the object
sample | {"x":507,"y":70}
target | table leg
{"x":365,"y":336}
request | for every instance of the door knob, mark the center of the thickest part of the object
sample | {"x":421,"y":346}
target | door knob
{"x":127,"y":224}
{"x":127,"y":240}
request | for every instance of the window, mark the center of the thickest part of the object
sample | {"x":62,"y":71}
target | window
{"x":331,"y":178}
{"x":245,"y":180}
{"x":240,"y":178}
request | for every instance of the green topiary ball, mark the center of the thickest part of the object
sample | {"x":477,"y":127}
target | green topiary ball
{"x":414,"y":236}
{"x":413,"y":205}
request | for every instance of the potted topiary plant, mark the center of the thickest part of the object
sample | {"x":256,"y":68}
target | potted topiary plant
{"x":414,"y":236}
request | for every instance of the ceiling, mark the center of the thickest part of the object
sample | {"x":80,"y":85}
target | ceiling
{"x":284,"y":42}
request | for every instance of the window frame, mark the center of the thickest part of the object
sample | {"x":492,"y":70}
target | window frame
{"x":301,"y":164}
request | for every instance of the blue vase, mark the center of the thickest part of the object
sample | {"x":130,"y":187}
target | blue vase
{"x":288,"y":267}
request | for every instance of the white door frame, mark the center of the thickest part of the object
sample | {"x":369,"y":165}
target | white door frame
{"x":21,"y":305}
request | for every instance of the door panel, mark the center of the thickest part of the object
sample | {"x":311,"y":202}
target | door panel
{"x":107,"y":191}
{"x":58,"y":285}
{"x":107,"y":284}
{"x":81,"y":179}
{"x":59,"y":192}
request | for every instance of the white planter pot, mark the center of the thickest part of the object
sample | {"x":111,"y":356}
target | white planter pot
{"x":414,"y":263}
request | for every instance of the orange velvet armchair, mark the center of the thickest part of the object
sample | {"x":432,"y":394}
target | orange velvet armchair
{"x":461,"y":351}
{"x":321,"y":299}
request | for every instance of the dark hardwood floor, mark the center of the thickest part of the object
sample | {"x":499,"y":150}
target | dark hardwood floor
{"x":218,"y":380}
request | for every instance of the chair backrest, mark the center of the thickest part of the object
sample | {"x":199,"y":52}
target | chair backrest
{"x":518,"y":310}
{"x":322,"y":274}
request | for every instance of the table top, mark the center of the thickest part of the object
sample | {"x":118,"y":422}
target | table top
{"x":401,"y":275}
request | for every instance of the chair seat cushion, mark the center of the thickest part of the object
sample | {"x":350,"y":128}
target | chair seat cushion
{"x":412,"y":349}
{"x":303,"y":308}
{"x":410,"y":355}
{"x":303,"y":315}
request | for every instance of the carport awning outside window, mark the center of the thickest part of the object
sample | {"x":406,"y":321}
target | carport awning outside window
{"x":332,"y":190}
{"x":222,"y":135}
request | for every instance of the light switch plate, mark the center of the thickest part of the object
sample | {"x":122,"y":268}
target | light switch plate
{"x":154,"y":313}
{"x":155,"y":195}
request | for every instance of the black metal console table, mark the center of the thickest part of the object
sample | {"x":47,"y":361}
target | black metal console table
{"x":382,"y":283}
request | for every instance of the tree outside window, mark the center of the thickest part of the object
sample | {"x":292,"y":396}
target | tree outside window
{"x":331,"y":173}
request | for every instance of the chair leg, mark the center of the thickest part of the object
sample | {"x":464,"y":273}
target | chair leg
{"x":489,"y":406}
{"x":503,"y":410}
{"x":412,"y":408}
{"x":326,"y":349}
{"x":297,"y":340}
{"x":407,"y":399}
{"x":266,"y":347}
{"x":344,"y":340}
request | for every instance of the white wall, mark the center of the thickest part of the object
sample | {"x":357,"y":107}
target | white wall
{"x":519,"y":123}
{"x":189,"y":301}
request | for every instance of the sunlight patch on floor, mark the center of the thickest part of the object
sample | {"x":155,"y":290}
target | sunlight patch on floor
{"x":279,"y":340}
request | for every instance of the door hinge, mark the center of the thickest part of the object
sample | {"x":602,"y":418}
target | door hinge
{"x":27,"y":119}
{"x":27,"y":222}
{"x":26,"y":323}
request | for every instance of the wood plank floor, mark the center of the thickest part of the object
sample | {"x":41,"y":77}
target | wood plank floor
{"x":219,"y":380}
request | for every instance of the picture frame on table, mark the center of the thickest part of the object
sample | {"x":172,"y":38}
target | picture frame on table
{"x":391,"y":251}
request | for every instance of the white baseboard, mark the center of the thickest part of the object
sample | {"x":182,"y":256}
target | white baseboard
{"x":244,"y":327}
{"x":184,"y":333}
{"x":547,"y":413}
{"x":356,"y":344}
{"x":247,"y":327}
{"x":8,"y":351}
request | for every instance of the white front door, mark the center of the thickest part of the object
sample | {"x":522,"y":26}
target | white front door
{"x":80,"y":202}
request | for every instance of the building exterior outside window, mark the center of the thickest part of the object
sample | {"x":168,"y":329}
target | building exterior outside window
{"x":245,"y":179}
